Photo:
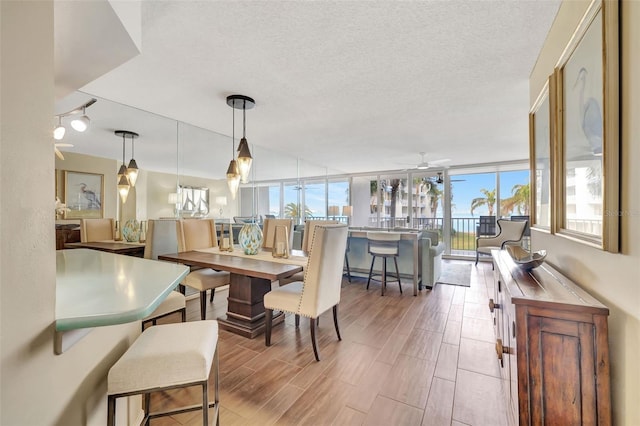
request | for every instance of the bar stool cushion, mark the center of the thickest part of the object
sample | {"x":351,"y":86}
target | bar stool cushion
{"x":165,"y":356}
{"x":174,"y":302}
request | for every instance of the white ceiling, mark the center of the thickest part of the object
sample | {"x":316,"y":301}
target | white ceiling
{"x":356,"y":85}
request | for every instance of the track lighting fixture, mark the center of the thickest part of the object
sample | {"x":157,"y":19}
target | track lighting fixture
{"x":79,"y":124}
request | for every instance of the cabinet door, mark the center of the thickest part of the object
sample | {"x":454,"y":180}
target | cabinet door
{"x":561,"y":371}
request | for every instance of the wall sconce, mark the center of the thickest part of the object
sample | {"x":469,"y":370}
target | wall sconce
{"x":221,"y":201}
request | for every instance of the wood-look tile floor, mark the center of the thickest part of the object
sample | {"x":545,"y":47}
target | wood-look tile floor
{"x":403,"y":360}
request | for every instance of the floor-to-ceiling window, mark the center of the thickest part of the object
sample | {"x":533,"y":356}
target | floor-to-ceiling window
{"x":338,"y":198}
{"x":292,"y":201}
{"x":427,"y":192}
{"x":315,"y":200}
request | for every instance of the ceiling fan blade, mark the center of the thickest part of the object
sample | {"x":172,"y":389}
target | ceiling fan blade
{"x":64,"y":145}
{"x":58,"y":153}
{"x":444,"y":160}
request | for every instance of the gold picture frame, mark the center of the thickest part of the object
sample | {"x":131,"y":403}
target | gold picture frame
{"x":83,"y":195}
{"x":587,"y":130}
{"x":541,"y":159}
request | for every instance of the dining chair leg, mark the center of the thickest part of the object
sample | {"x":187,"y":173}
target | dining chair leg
{"x":183,"y":314}
{"x":476,"y":257}
{"x":203,"y":305}
{"x":268,"y":317}
{"x":297,"y":321}
{"x":395,"y":260}
{"x":335,"y":321}
{"x":370,"y":271}
{"x":312,"y":324}
{"x":213,"y":293}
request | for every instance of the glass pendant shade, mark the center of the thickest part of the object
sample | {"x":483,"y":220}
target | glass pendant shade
{"x":233,"y":178}
{"x":244,"y":160}
{"x":123,"y":188}
{"x":132,"y":172}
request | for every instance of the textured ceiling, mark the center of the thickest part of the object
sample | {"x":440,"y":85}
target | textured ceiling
{"x":358,"y":86}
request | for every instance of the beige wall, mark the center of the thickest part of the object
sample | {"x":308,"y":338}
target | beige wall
{"x":612,"y":278}
{"x":38,"y":387}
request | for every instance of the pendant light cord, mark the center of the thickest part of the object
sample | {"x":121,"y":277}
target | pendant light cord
{"x":233,"y":133}
{"x":244,"y":119}
{"x":123,"y":143}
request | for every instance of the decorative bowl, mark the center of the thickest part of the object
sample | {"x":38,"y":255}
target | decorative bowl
{"x":524,"y":259}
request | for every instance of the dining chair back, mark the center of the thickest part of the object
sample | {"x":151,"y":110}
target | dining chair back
{"x":162,"y":239}
{"x":96,"y":230}
{"x":196,"y":234}
{"x":321,"y":287}
{"x":269,"y":231}
{"x":309,"y":227}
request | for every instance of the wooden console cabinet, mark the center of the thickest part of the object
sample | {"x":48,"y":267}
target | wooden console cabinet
{"x":552,"y":347}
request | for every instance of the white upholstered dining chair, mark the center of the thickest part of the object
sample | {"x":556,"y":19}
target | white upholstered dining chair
{"x":309,"y":227}
{"x":162,"y":239}
{"x":96,"y":230}
{"x":194,"y":234}
{"x":320,"y":289}
{"x":269,"y":231}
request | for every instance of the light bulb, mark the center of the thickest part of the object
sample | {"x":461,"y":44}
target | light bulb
{"x":80,"y":124}
{"x":132,"y":172}
{"x":58,"y":132}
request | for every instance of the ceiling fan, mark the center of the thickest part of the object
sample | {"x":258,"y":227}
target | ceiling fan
{"x":424,"y":165}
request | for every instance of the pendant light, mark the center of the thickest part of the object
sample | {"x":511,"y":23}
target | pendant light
{"x":132,"y":168}
{"x":59,"y":131}
{"x":244,"y":154}
{"x":123,"y":180}
{"x":233,"y":174}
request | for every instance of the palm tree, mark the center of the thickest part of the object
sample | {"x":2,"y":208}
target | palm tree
{"x":519,"y":200}
{"x":293,"y":210}
{"x":488,"y":200}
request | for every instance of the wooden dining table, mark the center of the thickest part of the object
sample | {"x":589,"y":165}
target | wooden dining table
{"x":250,"y":280}
{"x":116,"y":247}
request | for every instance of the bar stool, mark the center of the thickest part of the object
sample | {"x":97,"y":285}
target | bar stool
{"x":384,"y":245}
{"x":167,"y":357}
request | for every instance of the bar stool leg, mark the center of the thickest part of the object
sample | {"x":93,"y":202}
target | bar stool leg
{"x":373,"y":259}
{"x":384,"y":274}
{"x":395,"y":260}
{"x":205,"y":404}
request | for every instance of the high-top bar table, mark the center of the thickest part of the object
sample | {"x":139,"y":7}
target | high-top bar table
{"x":95,"y":288}
{"x":250,"y":280}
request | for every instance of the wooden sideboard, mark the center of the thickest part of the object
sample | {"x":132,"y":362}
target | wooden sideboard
{"x":552,"y":346}
{"x":67,"y":234}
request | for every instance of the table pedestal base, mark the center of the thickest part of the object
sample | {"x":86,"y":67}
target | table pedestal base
{"x":245,"y":311}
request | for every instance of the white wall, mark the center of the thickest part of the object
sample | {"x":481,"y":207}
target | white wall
{"x":612,"y":278}
{"x":38,"y":387}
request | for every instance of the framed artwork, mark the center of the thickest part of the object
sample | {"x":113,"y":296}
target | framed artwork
{"x":587,"y":130}
{"x":83,"y":195}
{"x":540,"y":155}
